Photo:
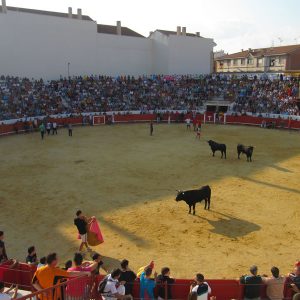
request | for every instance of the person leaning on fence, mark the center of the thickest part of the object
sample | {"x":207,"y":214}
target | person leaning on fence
{"x":127,"y":276}
{"x":4,"y":295}
{"x":164,"y":282}
{"x":111,"y":289}
{"x":253,"y":284}
{"x":199,"y":289}
{"x":275,"y":285}
{"x":49,"y":275}
{"x":147,"y":284}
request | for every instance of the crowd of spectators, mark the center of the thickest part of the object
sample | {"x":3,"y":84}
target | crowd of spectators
{"x":118,"y":283}
{"x":23,"y":97}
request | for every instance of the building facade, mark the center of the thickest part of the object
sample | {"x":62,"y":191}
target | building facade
{"x":274,"y":60}
{"x":42,"y":44}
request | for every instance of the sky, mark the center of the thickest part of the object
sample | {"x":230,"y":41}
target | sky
{"x":233,"y":24}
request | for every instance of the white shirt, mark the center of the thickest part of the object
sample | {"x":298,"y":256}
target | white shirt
{"x":203,"y":296}
{"x":54,"y":125}
{"x":48,"y":125}
{"x":188,"y":121}
{"x":4,"y":297}
{"x":110,"y":288}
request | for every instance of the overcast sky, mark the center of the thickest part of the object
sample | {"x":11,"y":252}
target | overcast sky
{"x":233,"y":24}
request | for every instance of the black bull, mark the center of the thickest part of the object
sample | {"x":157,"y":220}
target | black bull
{"x":248,"y":150}
{"x":217,"y":147}
{"x":191,"y":197}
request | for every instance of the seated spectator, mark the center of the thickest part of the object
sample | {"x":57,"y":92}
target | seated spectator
{"x":97,"y":258}
{"x":42,"y":262}
{"x":68,"y":264}
{"x":31,"y":257}
{"x":79,"y":266}
{"x":199,"y":289}
{"x":114,"y":289}
{"x":275,"y":285}
{"x":252,"y":284}
{"x":49,"y":275}
{"x":4,"y":295}
{"x":127,"y":276}
{"x":147,"y":284}
{"x":164,"y":279}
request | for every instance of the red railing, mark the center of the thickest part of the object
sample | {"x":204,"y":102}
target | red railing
{"x":85,"y":287}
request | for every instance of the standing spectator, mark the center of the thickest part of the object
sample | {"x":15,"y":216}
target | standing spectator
{"x":295,"y":280}
{"x":48,"y":127}
{"x":68,"y":265}
{"x":151,"y":128}
{"x":127,"y":276}
{"x":97,"y":258}
{"x":113,"y":288}
{"x":4,"y":294}
{"x":199,"y":288}
{"x":42,"y":130}
{"x":42,"y":262}
{"x":252,"y":284}
{"x":147,"y":284}
{"x":49,"y":275}
{"x":80,"y":266}
{"x":81,"y":222}
{"x":70,"y":129}
{"x":31,"y":257}
{"x":165,"y":279}
{"x":3,"y":255}
{"x":188,"y":123}
{"x":54,"y":128}
{"x":275,"y":285}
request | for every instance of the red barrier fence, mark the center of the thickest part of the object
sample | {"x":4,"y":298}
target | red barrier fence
{"x":209,"y":117}
{"x":86,"y":288}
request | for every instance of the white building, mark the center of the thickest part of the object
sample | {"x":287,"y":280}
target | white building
{"x":43,"y":44}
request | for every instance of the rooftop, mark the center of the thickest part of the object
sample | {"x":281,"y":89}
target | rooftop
{"x":111,"y":29}
{"x":271,"y":51}
{"x":45,"y":13}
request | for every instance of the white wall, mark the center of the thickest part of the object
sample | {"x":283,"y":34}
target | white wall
{"x":41,"y":46}
{"x":188,"y":55}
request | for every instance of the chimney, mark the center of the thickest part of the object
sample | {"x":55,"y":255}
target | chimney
{"x":79,"y":13}
{"x":242,"y":50}
{"x":119,"y":28}
{"x":184,"y":31}
{"x":70,"y":12}
{"x":178,"y":30}
{"x":198,"y":33}
{"x":4,"y":8}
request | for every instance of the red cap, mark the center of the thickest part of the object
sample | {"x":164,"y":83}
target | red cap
{"x":151,"y":265}
{"x":297,"y":263}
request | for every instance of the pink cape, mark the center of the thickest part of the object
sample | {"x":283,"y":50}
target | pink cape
{"x":95,"y":228}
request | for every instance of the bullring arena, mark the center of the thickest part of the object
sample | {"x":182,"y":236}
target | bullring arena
{"x":128,"y":180}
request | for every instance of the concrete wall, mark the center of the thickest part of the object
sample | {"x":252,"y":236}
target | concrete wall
{"x":41,"y":46}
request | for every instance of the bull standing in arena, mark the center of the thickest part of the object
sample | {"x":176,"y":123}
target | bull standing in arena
{"x":248,"y":150}
{"x":191,"y":197}
{"x":217,"y":147}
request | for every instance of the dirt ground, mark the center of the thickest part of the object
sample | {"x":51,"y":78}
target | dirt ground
{"x":128,"y":179}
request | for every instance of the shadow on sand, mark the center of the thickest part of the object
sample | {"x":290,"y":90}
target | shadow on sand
{"x":230,"y":226}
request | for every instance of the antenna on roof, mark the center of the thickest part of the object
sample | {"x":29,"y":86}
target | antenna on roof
{"x":280,"y":40}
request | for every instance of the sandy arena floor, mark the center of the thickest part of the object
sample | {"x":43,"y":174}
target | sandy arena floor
{"x":128,"y":179}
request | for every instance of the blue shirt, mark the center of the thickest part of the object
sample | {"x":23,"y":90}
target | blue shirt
{"x":147,"y":285}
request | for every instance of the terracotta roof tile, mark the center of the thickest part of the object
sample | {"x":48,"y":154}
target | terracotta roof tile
{"x":272,"y":51}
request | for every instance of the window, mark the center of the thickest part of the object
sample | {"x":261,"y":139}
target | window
{"x":281,"y":60}
{"x":235,"y":62}
{"x":228,"y":62}
{"x":242,"y":61}
{"x":250,"y":61}
{"x":272,"y":61}
{"x":259,"y":62}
